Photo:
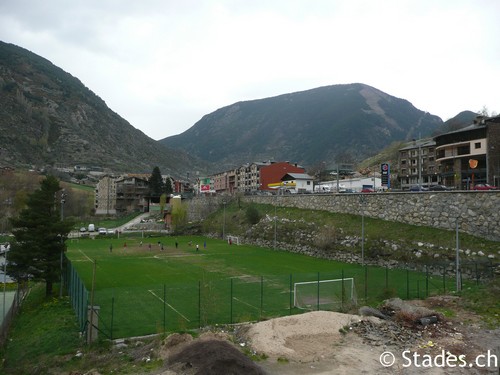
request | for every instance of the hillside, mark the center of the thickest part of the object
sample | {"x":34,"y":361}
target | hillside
{"x":340,"y":123}
{"x":48,"y":117}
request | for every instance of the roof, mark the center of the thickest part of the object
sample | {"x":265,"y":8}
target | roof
{"x":419,"y":143}
{"x":297,"y":176}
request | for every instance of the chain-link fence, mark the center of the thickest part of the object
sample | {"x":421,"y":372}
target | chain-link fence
{"x":141,"y":310}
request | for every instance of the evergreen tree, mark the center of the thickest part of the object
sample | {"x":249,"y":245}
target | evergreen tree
{"x":156,"y":186}
{"x":39,"y":235}
{"x":168,"y":186}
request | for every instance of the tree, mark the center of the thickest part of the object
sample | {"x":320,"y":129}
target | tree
{"x":39,"y":235}
{"x":168,"y":186}
{"x":156,"y":186}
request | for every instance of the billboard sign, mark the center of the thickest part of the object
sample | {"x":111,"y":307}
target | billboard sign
{"x":385,"y":172}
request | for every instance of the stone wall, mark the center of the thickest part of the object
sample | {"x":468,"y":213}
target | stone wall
{"x":478,"y":213}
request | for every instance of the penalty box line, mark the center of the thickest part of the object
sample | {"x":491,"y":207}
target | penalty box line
{"x":169,"y":305}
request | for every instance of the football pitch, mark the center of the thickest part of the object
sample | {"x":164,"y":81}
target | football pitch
{"x":152,"y":285}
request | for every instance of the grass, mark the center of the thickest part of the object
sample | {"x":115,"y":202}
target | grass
{"x":142,"y":291}
{"x":376,"y":230}
{"x":44,"y":334}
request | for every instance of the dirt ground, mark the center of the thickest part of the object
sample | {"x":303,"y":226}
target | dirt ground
{"x":334,"y":343}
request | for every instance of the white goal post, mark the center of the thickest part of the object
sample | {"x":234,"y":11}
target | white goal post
{"x":327,"y":294}
{"x":234,"y":240}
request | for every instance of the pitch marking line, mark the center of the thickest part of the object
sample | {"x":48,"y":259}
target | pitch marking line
{"x":245,"y":303}
{"x":169,"y":305}
{"x":85,"y":255}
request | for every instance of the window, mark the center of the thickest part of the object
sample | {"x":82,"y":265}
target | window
{"x":477,"y":145}
{"x":308,"y":182}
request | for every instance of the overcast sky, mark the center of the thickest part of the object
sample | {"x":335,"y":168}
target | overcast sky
{"x":163,"y":64}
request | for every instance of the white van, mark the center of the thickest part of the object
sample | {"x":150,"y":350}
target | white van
{"x":91,"y":227}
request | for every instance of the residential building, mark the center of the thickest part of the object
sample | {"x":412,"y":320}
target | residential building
{"x":105,"y":196}
{"x":298,"y":182}
{"x":252,"y":177}
{"x":132,"y":194}
{"x":275,"y":171}
{"x":224,"y":182}
{"x":470,"y":155}
{"x":417,"y":164}
{"x":248,"y":176}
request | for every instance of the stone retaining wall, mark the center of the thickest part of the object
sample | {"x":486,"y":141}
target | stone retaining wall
{"x":478,"y":213}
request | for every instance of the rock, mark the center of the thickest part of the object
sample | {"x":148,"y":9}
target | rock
{"x":371,"y":311}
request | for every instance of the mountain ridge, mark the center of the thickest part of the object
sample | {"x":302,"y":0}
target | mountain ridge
{"x":49,"y":117}
{"x":331,"y":124}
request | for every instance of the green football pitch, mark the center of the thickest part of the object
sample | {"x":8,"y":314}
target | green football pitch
{"x":150,"y":285}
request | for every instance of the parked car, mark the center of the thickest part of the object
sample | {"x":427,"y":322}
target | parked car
{"x":346,"y":191}
{"x":485,"y":187}
{"x":103,"y":231}
{"x":418,"y":188}
{"x":83,"y":229}
{"x":367,"y":190}
{"x":438,"y":188}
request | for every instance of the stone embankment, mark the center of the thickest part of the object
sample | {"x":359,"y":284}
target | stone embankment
{"x":477,"y":213}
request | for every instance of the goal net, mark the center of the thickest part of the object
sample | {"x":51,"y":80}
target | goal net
{"x":327,"y":294}
{"x":233,"y":240}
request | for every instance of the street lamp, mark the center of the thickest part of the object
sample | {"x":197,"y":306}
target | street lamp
{"x":362,"y":200}
{"x":224,"y":221}
{"x":457,"y":258}
{"x":63,"y":196}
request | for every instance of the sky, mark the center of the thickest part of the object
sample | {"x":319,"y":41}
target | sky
{"x":162,"y":64}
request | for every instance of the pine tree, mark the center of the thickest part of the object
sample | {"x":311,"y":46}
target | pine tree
{"x":39,"y":235}
{"x":156,"y":186}
{"x":168,"y":186}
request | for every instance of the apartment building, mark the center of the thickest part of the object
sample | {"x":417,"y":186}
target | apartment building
{"x":252,"y":177}
{"x":417,"y":164}
{"x":470,"y":155}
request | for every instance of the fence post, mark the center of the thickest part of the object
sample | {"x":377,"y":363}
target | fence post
{"x":317,"y":296}
{"x":231,"y":304}
{"x":343,"y":292}
{"x":426,"y":280}
{"x":164,"y":308}
{"x":261,"y":295}
{"x":112,"y":317}
{"x":366,"y":284}
{"x":386,"y":277}
{"x":199,"y":303}
{"x":407,"y":284}
{"x":290,"y":294}
{"x":444,"y":279}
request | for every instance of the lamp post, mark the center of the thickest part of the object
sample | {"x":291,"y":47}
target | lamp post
{"x":63,"y":195}
{"x":224,"y":220}
{"x":457,"y":258}
{"x":362,"y":201}
{"x":4,"y":280}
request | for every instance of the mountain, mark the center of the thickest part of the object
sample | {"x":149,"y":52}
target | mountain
{"x":331,"y":124}
{"x":48,"y":117}
{"x":458,"y":122}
